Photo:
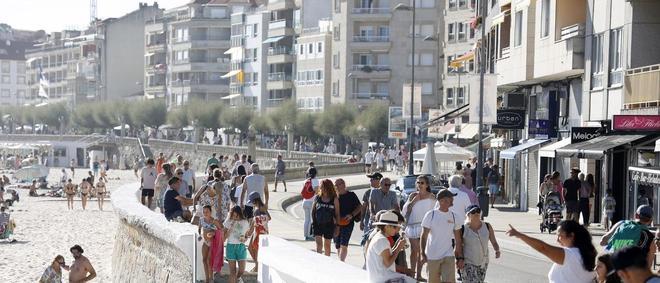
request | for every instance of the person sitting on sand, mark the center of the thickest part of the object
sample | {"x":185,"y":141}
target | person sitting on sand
{"x":6,"y":225}
{"x":80,"y":267}
{"x":33,"y":189}
{"x":53,"y":274}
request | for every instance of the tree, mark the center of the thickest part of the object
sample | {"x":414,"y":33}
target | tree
{"x":206,"y":113}
{"x":374,"y":120}
{"x":54,"y":115}
{"x":177,"y":118}
{"x":304,"y":125}
{"x":83,"y":117}
{"x":261,"y":124}
{"x":237,"y":118}
{"x":284,"y":114}
{"x":151,"y":113}
{"x":335,"y":119}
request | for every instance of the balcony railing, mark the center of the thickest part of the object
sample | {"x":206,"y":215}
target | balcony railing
{"x":371,"y":10}
{"x":372,"y":95}
{"x":506,"y":52}
{"x":642,"y":87}
{"x":370,"y":68}
{"x":371,"y":38}
{"x":571,"y":31}
{"x":280,"y":76}
{"x":278,"y":24}
{"x":235,"y":88}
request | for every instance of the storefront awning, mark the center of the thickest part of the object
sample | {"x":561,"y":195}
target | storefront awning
{"x":468,"y":131}
{"x":233,"y":50}
{"x":549,"y":150}
{"x":511,"y":152}
{"x":273,"y":39}
{"x":596,"y":148}
{"x":657,"y":146}
{"x":231,"y":96}
{"x":230,"y":74}
{"x":644,"y":175}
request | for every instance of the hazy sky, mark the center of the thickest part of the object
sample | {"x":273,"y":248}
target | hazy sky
{"x":55,"y":15}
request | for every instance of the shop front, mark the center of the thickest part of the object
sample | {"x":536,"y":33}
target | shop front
{"x":645,"y":188}
{"x":521,"y":173}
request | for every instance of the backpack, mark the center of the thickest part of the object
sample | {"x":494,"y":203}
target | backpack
{"x":307,"y":190}
{"x":324,"y":215}
{"x":627,"y":234}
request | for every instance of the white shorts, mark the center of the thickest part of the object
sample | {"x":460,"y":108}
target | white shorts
{"x":414,"y":231}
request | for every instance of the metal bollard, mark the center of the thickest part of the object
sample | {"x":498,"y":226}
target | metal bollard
{"x":482,"y":195}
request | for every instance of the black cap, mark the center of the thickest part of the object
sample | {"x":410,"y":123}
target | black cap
{"x":375,"y":175}
{"x":645,"y":211}
{"x":445,"y":194}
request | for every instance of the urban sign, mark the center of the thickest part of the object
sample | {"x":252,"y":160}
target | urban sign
{"x":580,"y":134}
{"x":510,"y":119}
{"x":539,"y":128}
{"x":397,"y":124}
{"x":636,"y":122}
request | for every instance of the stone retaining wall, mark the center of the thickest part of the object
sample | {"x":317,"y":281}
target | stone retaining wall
{"x":147,"y":247}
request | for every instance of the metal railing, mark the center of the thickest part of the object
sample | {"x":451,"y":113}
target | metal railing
{"x":279,"y":76}
{"x":642,"y":88}
{"x":370,"y":68}
{"x":572,"y":31}
{"x":278,"y":24}
{"x":372,"y":95}
{"x":506,"y":52}
{"x":371,"y":38}
{"x":280,"y":50}
{"x":371,"y":11}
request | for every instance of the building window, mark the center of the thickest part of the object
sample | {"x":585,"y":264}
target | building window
{"x":462,"y":4}
{"x":461,"y":31}
{"x":335,"y":88}
{"x":450,"y":31}
{"x":310,"y":48}
{"x":335,"y":61}
{"x":319,"y":47}
{"x":616,"y":66}
{"x":449,"y":59}
{"x":301,"y":49}
{"x":423,"y":30}
{"x":426,"y":59}
{"x":427,"y":88}
{"x":472,"y":31}
{"x":519,"y":29}
{"x":337,"y":6}
{"x":5,"y":67}
{"x":460,"y":96}
{"x":20,"y":79}
{"x":5,"y":93}
{"x":20,"y":93}
{"x":597,"y":62}
{"x":471,"y":65}
{"x":424,"y":3}
{"x":255,"y":30}
{"x":335,"y":32}
{"x":6,"y":79}
{"x":452,"y":4}
{"x":450,"y":96}
{"x":545,"y":18}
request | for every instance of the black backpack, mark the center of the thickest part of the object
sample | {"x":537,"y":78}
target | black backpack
{"x":324,"y":215}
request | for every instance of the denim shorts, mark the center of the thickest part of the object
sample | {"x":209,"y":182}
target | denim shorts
{"x":236,"y":252}
{"x":344,"y":235}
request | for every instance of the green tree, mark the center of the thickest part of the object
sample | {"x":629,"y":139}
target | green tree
{"x":261,"y":124}
{"x":374,"y":120}
{"x":151,"y":113}
{"x":177,"y":118}
{"x":83,"y":117}
{"x":237,"y":118}
{"x":206,"y":113}
{"x":335,"y":119}
{"x":54,"y":115}
{"x":304,"y":125}
{"x":284,"y":114}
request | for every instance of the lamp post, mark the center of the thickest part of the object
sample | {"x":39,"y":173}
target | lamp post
{"x":411,"y":132}
{"x":482,"y":71}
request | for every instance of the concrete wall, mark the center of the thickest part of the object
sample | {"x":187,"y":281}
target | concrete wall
{"x":147,"y":247}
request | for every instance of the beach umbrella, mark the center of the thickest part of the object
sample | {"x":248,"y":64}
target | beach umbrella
{"x":429,"y":166}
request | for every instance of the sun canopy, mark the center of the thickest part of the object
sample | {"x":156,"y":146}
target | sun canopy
{"x":273,"y":39}
{"x":596,"y":148}
{"x":512,"y":152}
{"x":549,"y":150}
{"x":444,"y":152}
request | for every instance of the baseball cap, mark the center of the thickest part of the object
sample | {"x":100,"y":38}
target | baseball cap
{"x":472,"y":208}
{"x":445,"y":194}
{"x":375,"y":175}
{"x":575,"y":170}
{"x":645,"y":211}
{"x":253,"y":196}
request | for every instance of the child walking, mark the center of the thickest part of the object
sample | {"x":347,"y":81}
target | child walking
{"x":260,"y":226}
{"x":609,"y":204}
{"x":236,"y":229}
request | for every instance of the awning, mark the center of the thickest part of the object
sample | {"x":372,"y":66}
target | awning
{"x":230,"y":74}
{"x":549,"y":150}
{"x":468,"y":131}
{"x":650,"y":175}
{"x":149,"y":54}
{"x":499,"y":18}
{"x":596,"y":148}
{"x":231,"y":96}
{"x":233,"y":50}
{"x":273,"y":39}
{"x":447,"y":116}
{"x":657,"y":146}
{"x":510,"y":153}
{"x":497,"y":143}
{"x":460,"y":61}
{"x":504,"y":2}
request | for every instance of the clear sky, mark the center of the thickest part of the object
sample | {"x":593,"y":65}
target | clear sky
{"x":56,"y":15}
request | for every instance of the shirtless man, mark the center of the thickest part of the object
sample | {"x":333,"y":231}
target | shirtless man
{"x":100,"y":192}
{"x":80,"y":267}
{"x":70,"y":191}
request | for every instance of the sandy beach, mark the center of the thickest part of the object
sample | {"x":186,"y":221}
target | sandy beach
{"x":46,"y":228}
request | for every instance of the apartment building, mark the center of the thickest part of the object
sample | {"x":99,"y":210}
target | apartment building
{"x":121,"y":52}
{"x":13,"y":83}
{"x":313,"y":67}
{"x":248,"y":58}
{"x":372,"y":51}
{"x":185,"y":53}
{"x":63,"y":68}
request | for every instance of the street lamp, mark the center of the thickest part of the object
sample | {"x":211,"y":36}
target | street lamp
{"x":482,"y":71}
{"x":404,"y":7}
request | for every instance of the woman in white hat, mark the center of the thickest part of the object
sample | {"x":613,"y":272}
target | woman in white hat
{"x":380,"y":257}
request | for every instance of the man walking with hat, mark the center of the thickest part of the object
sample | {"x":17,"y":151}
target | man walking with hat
{"x":572,"y":187}
{"x":437,"y":250}
{"x":626,"y":233}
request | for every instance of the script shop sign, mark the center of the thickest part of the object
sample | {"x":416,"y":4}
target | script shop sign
{"x":645,"y":123}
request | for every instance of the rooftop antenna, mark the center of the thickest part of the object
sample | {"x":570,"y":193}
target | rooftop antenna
{"x":92,"y":14}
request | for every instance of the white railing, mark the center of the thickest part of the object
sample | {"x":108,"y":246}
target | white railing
{"x":506,"y":51}
{"x":277,"y":24}
{"x":369,"y":68}
{"x":279,"y":76}
{"x":281,"y":50}
{"x":371,"y":95}
{"x":371,"y":11}
{"x":371,"y":38}
{"x":572,"y":31}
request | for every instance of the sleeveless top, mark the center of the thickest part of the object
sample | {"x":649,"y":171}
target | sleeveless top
{"x":205,"y":200}
{"x":418,"y":211}
{"x":475,"y":245}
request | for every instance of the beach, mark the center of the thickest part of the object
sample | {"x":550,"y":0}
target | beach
{"x":46,"y":228}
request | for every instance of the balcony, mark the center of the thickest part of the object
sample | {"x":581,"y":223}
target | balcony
{"x":276,"y":5}
{"x":217,"y":65}
{"x":557,"y":59}
{"x":642,"y":90}
{"x":280,"y":28}
{"x":235,"y":88}
{"x":371,"y":42}
{"x":279,"y":80}
{"x":279,"y":55}
{"x":221,"y":85}
{"x":202,"y":43}
{"x":237,"y":40}
{"x":371,"y":95}
{"x":157,"y":45}
{"x":376,"y":14}
{"x":371,"y":71}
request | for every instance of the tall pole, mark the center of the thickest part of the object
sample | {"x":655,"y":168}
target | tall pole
{"x":411,"y":132}
{"x":482,"y":71}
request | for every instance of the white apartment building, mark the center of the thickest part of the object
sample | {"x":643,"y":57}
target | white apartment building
{"x":13,"y":83}
{"x":313,"y":67}
{"x":371,"y":51}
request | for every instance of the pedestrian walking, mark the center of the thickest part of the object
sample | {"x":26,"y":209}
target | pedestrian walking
{"x":325,"y":216}
{"x":100,"y":193}
{"x":475,"y":237}
{"x":205,"y":196}
{"x":349,"y":210}
{"x":572,"y":187}
{"x":237,"y":184}
{"x":85,"y":192}
{"x":81,"y":269}
{"x":280,"y":175}
{"x":308,"y":192}
{"x":556,"y":181}
{"x":632,"y":266}
{"x":212,"y":160}
{"x":461,"y":201}
{"x":254,"y":182}
{"x":70,"y":192}
{"x":380,"y":257}
{"x":415,"y":208}
{"x":368,"y":160}
{"x":365,"y":224}
{"x":53,"y":274}
{"x":160,"y":161}
{"x":574,"y":260}
{"x":493,"y":178}
{"x":585,"y":192}
{"x":605,"y":272}
{"x":380,"y":160}
{"x":545,"y":188}
{"x":259,"y":226}
{"x":440,"y":227}
{"x":608,"y":205}
{"x":189,"y":177}
{"x":237,"y":229}
{"x":635,"y":232}
{"x":223,"y":192}
{"x":161,"y":184}
{"x":213,"y":246}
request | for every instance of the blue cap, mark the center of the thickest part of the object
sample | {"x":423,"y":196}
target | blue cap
{"x":252,"y":196}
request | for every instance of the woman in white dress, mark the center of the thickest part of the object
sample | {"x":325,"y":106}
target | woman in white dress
{"x":418,"y":204}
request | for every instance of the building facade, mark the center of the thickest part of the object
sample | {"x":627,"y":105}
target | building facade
{"x":313,"y":55}
{"x":370,"y":37}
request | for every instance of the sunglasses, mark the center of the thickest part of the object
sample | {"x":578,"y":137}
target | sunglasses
{"x":421,"y":183}
{"x":475,"y":211}
{"x":386,"y":185}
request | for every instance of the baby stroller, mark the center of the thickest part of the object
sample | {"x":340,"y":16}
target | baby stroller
{"x":552,"y":212}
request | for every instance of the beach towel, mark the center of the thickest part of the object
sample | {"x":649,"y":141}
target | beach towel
{"x":217,"y":251}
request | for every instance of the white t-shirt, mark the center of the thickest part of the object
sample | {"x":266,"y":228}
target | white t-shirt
{"x":572,"y":271}
{"x":376,"y":269}
{"x":461,"y":202}
{"x":148,"y":176}
{"x":255,"y":183}
{"x":442,"y":226}
{"x":380,"y":158}
{"x":369,"y":157}
{"x":188,"y":176}
{"x":236,"y":229}
{"x":237,"y":193}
